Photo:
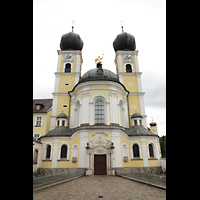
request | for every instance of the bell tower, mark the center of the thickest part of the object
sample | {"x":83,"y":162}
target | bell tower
{"x":127,"y":67}
{"x":67,"y":74}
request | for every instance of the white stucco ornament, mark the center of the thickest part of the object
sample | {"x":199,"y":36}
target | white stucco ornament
{"x":100,"y":140}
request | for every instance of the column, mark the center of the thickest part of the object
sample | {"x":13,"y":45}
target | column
{"x":117,"y":145}
{"x":91,"y":113}
{"x":144,"y":152}
{"x":85,"y":109}
{"x":113,"y":108}
{"x":55,"y":152}
{"x":82,"y":151}
{"x":107,"y":117}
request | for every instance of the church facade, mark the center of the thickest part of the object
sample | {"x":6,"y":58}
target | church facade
{"x":96,"y":121}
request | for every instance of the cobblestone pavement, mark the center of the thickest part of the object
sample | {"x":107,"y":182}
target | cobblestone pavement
{"x":100,"y":187}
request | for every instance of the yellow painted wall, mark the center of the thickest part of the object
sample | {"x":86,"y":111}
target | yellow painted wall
{"x":63,"y":100}
{"x":153,"y":129}
{"x":47,"y":163}
{"x":66,"y":79}
{"x":130,"y":82}
{"x":62,"y":164}
{"x":62,"y":63}
{"x":130,"y":163}
{"x":153,"y":163}
{"x":44,"y":128}
{"x":123,"y":64}
{"x":134,"y":105}
{"x":99,"y":88}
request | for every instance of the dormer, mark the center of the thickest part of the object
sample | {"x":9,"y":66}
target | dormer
{"x":38,"y":106}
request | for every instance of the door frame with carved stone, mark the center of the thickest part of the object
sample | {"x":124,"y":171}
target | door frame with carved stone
{"x":100,"y":145}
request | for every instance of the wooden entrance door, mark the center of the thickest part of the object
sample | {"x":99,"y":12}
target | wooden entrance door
{"x":100,"y":165}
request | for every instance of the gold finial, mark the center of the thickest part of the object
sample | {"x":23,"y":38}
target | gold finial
{"x":121,"y":22}
{"x":152,"y":119}
{"x":98,"y":60}
{"x":73,"y":22}
{"x":135,"y":111}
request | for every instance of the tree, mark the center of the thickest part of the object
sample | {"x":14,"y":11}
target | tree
{"x":163,"y":146}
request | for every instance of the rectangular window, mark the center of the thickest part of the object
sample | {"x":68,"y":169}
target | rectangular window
{"x":36,"y":136}
{"x":63,"y":123}
{"x":37,"y":107}
{"x":38,"y":121}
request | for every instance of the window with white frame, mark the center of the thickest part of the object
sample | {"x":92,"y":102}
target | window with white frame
{"x":63,"y":153}
{"x":48,"y":152}
{"x":99,"y":112}
{"x":151,"y":151}
{"x":67,"y":68}
{"x":37,"y":107}
{"x":128,"y":68}
{"x":136,"y":152}
{"x":38,"y":121}
{"x":36,"y":136}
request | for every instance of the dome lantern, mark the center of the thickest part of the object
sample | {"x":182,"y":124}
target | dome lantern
{"x":136,"y":119}
{"x":62,"y":120}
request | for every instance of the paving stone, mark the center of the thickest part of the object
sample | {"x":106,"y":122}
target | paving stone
{"x":100,"y":187}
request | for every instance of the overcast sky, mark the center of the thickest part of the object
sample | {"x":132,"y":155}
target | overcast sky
{"x":98,"y":24}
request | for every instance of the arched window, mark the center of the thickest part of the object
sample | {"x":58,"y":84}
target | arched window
{"x":63,"y":153}
{"x":128,"y":68}
{"x":99,"y":112}
{"x":68,"y":67}
{"x":151,"y":153}
{"x":48,"y":152}
{"x":136,"y":152}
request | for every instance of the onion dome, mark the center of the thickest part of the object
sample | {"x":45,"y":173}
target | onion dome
{"x":153,"y":124}
{"x":71,"y":41}
{"x":136,"y":115}
{"x":99,"y":74}
{"x":124,"y":41}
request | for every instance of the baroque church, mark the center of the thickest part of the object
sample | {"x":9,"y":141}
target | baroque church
{"x":95,"y":121}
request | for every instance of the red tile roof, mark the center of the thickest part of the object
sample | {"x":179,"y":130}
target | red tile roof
{"x":45,"y":105}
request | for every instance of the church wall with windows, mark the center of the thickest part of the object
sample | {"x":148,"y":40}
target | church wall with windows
{"x":98,"y":113}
